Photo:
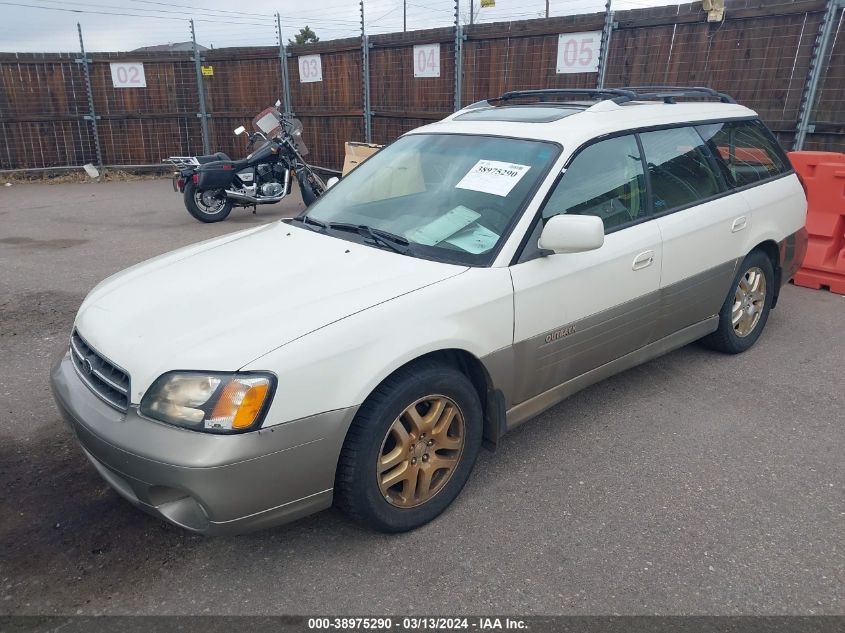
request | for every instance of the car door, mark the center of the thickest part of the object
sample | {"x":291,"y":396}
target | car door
{"x":574,"y":312}
{"x":754,"y":164}
{"x":704,"y":228}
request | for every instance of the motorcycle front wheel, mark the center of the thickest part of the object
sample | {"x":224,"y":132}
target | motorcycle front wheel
{"x":207,"y":206}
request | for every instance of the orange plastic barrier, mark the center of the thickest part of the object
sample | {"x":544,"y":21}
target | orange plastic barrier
{"x":823,"y":175}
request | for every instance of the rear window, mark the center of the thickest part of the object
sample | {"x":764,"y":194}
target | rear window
{"x":746,"y":150}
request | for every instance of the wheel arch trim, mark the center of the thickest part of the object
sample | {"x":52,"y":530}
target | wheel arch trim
{"x":490,"y":395}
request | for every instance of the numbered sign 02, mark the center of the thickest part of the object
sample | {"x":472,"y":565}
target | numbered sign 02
{"x":128,"y":76}
{"x":310,"y":69}
{"x":427,"y":60}
{"x":578,"y":52}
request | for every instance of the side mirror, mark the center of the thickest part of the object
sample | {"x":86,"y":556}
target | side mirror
{"x":331,"y":182}
{"x":278,"y":103}
{"x":240,"y":130}
{"x":572,"y":234}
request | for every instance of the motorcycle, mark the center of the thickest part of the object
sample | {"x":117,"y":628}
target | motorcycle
{"x":212,"y":185}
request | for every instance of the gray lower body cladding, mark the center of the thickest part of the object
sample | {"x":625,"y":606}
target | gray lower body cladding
{"x":539,"y":364}
{"x":212,"y":484}
{"x":791,"y":252}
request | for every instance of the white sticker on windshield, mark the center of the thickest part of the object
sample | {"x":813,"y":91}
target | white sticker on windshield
{"x":493,"y":176}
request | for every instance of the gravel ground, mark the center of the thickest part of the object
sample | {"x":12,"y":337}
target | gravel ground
{"x":695,"y":484}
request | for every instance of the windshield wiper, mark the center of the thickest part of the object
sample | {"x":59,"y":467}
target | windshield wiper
{"x":306,"y":220}
{"x":392,"y":241}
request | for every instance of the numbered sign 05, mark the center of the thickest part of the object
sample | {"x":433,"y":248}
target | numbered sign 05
{"x":427,"y":60}
{"x":310,"y":69}
{"x":578,"y":52}
{"x":128,"y":76}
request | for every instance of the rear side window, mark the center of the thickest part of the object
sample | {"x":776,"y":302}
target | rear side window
{"x":680,"y":167}
{"x":605,"y":179}
{"x":747,"y":150}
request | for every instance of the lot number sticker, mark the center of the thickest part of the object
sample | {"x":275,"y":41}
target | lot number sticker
{"x":128,"y":76}
{"x":493,"y":176}
{"x":578,"y":52}
{"x":427,"y":60}
{"x":310,"y":69}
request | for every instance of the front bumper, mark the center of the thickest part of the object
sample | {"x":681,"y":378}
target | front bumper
{"x":211,"y":484}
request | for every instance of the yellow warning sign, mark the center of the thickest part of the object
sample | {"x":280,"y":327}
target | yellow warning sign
{"x":486,"y":4}
{"x":208,"y":71}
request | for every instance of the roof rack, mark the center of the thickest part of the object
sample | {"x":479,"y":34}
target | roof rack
{"x":667,"y":94}
{"x":594,"y":93}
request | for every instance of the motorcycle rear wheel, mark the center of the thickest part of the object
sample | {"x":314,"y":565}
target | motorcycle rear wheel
{"x":207,"y":206}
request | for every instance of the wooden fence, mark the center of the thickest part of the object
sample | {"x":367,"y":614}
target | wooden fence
{"x":761,"y":54}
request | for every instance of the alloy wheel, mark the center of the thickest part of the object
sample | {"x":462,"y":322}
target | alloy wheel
{"x":749,"y":301}
{"x":420,"y":451}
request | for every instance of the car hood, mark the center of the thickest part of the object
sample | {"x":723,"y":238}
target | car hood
{"x":222,"y":303}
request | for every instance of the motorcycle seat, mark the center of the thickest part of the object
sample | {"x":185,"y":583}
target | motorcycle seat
{"x":210,"y":158}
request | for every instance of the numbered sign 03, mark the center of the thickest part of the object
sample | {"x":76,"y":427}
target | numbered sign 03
{"x":578,"y":52}
{"x":427,"y":60}
{"x":128,"y":76}
{"x":310,"y":69}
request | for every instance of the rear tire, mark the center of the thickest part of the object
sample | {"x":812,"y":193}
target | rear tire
{"x":746,"y":309}
{"x":195,"y":202}
{"x":410,"y":449}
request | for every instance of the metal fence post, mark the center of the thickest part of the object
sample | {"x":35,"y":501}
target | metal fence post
{"x":604,"y":51}
{"x":365,"y":71}
{"x":92,"y":115}
{"x":459,"y":55}
{"x":283,"y":58}
{"x":202,"y":114}
{"x":808,"y":97}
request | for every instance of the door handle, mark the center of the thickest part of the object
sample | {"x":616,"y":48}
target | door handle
{"x":643,"y":260}
{"x":739,"y":224}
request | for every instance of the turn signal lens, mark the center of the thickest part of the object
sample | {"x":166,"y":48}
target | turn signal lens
{"x":239,"y":404}
{"x":250,"y":407}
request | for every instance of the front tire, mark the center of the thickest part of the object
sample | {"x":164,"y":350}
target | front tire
{"x":207,"y":206}
{"x":410,"y":449}
{"x":746,"y":309}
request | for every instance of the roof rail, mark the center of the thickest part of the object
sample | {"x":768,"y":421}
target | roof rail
{"x":601,"y":93}
{"x":667,"y":94}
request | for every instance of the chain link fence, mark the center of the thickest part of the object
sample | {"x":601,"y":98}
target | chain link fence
{"x":786,"y":60}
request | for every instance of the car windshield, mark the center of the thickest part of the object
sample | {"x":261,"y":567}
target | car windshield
{"x":447,"y":197}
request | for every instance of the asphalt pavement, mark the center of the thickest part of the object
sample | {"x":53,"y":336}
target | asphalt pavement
{"x":695,"y":484}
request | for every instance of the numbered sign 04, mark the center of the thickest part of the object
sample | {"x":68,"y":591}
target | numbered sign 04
{"x":128,"y":76}
{"x":427,"y":60}
{"x":310,"y":69}
{"x":578,"y":52}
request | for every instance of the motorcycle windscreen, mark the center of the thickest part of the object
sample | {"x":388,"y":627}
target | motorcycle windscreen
{"x":296,"y":134}
{"x":269,"y":122}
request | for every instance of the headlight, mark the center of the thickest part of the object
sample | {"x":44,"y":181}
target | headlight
{"x":214,"y":402}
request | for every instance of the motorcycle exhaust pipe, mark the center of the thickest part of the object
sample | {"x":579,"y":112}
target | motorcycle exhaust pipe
{"x":242,"y":197}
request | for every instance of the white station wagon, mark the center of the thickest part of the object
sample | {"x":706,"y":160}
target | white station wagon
{"x":467,"y":277}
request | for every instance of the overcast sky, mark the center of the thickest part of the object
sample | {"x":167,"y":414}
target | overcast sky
{"x":112,"y":25}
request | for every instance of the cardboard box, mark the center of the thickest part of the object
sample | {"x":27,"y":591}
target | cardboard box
{"x":357,"y":153}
